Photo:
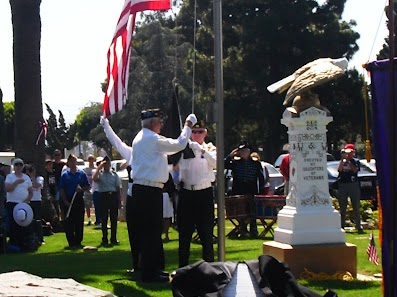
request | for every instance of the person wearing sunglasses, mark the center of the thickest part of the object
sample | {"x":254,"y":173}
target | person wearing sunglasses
{"x":196,"y":200}
{"x":19,"y":188}
{"x":149,"y":171}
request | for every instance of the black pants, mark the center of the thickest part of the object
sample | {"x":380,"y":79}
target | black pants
{"x":147,"y":226}
{"x":17,"y":233}
{"x":109,"y":206}
{"x":74,"y":224}
{"x":134,"y":243}
{"x":196,"y":211}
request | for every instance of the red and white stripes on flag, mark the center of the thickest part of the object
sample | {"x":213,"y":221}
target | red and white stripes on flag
{"x":371,"y":251}
{"x":120,"y":50}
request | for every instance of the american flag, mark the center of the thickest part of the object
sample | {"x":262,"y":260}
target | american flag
{"x":371,"y":251}
{"x":120,"y":50}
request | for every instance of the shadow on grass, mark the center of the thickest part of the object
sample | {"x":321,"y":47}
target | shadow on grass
{"x":104,"y":269}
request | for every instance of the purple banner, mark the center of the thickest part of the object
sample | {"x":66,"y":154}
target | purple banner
{"x":383,"y":121}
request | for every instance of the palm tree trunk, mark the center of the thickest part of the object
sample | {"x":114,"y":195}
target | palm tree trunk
{"x":26,"y":24}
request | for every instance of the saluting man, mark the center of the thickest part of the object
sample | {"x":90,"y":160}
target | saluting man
{"x":108,"y":183}
{"x":196,"y":200}
{"x":149,"y":170}
{"x":248,"y":179}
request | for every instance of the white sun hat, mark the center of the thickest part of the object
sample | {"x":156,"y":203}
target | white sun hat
{"x":23,"y":214}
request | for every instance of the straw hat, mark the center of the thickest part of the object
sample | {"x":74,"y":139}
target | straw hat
{"x":23,"y":214}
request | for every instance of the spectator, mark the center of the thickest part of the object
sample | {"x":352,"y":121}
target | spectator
{"x":88,"y":196}
{"x":19,"y":189}
{"x":196,"y":200}
{"x":35,"y":202}
{"x":248,"y":179}
{"x":169,"y":193}
{"x":284,"y":169}
{"x":255,"y":156}
{"x":58,"y":167}
{"x":108,"y":186}
{"x":72,"y":185}
{"x":52,"y":187}
{"x":149,"y":169}
{"x":349,"y":185}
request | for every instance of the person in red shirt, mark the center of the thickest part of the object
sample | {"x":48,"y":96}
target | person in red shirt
{"x":284,"y":169}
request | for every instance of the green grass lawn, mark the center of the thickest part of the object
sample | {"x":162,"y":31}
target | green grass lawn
{"x":105,"y":269}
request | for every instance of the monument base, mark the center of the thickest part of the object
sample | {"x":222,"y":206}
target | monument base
{"x":328,"y":258}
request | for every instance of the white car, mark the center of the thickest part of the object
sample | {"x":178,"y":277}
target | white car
{"x":371,"y":164}
{"x":116,"y":166}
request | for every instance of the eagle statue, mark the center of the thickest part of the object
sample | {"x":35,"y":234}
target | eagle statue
{"x":308,"y":76}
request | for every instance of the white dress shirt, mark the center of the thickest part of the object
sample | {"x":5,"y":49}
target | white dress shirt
{"x":198,"y":172}
{"x":149,"y":155}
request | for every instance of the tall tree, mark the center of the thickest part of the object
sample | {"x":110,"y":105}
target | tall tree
{"x":59,"y":136}
{"x":26,"y":24}
{"x":384,"y":52}
{"x":263,"y":41}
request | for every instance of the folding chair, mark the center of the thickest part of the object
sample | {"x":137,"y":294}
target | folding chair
{"x":238,"y":208}
{"x":267,"y":208}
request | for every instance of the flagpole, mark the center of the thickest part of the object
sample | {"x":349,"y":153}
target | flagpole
{"x":392,"y":149}
{"x":220,"y":165}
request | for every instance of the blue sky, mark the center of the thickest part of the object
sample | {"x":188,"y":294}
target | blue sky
{"x":75,"y":42}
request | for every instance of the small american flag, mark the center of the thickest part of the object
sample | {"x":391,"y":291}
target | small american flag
{"x":371,"y":251}
{"x":120,"y":50}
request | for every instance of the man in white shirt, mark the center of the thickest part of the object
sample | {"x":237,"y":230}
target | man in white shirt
{"x":125,"y":151}
{"x":149,"y":170}
{"x":196,"y":200}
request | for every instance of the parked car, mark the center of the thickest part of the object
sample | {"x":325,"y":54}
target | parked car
{"x":116,"y":166}
{"x":275,"y":178}
{"x":366,"y":178}
{"x":371,"y":164}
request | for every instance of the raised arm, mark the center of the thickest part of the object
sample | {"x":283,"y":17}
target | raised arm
{"x":124,"y":150}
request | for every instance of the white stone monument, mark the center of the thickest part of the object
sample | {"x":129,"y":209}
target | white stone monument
{"x":309,"y":234}
{"x":308,"y":217}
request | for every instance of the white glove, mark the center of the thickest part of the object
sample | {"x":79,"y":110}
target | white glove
{"x":196,"y":147}
{"x":104,"y":121}
{"x":192,"y":117}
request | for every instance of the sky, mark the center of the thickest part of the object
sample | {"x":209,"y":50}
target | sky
{"x":76,"y":35}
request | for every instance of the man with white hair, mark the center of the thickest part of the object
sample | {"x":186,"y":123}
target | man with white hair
{"x":149,"y":170}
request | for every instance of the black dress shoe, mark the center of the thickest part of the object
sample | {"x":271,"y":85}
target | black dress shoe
{"x":156,"y":278}
{"x":115,"y":242}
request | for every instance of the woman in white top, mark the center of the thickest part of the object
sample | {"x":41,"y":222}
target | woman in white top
{"x":36,"y":203}
{"x":19,"y":189}
{"x":37,"y":184}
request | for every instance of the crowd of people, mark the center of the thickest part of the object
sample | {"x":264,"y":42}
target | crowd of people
{"x":155,"y":188}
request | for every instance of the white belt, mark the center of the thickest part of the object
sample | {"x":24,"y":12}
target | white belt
{"x":149,"y":183}
{"x":197,"y":187}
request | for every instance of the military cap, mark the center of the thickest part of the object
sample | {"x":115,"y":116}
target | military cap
{"x":150,"y":113}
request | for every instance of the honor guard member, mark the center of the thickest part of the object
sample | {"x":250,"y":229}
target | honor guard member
{"x":126,"y":152}
{"x":72,"y":185}
{"x":196,"y":200}
{"x":349,"y":185}
{"x":108,"y":183}
{"x":149,"y":170}
{"x":248,"y":179}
